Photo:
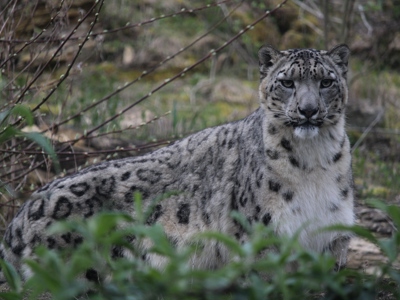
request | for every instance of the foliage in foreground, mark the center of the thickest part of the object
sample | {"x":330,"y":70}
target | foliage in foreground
{"x":60,"y":274}
{"x":9,"y":120}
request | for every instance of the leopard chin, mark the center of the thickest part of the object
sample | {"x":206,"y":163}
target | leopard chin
{"x":307,"y":131}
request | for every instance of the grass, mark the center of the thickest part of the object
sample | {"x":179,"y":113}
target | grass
{"x":376,"y":162}
{"x":376,"y":178}
{"x":98,"y":81}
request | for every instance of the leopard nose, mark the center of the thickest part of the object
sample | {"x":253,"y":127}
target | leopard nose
{"x":308,"y":111}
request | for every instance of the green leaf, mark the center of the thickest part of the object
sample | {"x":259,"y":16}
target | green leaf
{"x":8,"y":133}
{"x":138,"y":208}
{"x":358,"y":230}
{"x":231,"y":243}
{"x":43,"y":274}
{"x":11,"y":296}
{"x":242,"y":220}
{"x":392,"y":210}
{"x":38,"y":138}
{"x":4,"y":115}
{"x":8,"y":188}
{"x":156,"y":233}
{"x":394,"y":213}
{"x":11,"y":275}
{"x":103,"y":223}
{"x":43,"y":142}
{"x":151,"y":207}
{"x":389,"y":247}
{"x":23,"y":111}
{"x":17,"y":110}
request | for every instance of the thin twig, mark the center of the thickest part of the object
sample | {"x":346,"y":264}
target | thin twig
{"x":167,"y":81}
{"x":184,"y":71}
{"x":57,"y":50}
{"x":127,"y":26}
{"x":69,"y":67}
{"x":367,"y":130}
{"x":145,"y":73}
{"x":33,"y":40}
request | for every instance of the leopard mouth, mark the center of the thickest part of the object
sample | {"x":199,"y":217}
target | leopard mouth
{"x":306,"y":129}
{"x":307,"y":124}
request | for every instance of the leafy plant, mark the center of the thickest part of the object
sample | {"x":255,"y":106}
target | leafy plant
{"x":10,"y":130}
{"x":253,"y":273}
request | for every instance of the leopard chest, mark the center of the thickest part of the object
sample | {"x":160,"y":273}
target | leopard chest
{"x":308,"y":200}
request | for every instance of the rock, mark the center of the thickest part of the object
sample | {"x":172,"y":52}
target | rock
{"x":363,"y":255}
{"x":376,"y":221}
{"x":128,"y":56}
{"x":395,"y":43}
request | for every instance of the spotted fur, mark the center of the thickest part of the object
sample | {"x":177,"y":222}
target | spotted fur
{"x":287,"y":165}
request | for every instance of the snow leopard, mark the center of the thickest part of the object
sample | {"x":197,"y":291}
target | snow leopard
{"x":287,"y":165}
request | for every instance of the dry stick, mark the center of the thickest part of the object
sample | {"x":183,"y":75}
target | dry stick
{"x":183,"y":11}
{"x":326,"y":22}
{"x":136,"y":148}
{"x":68,"y":70}
{"x":167,"y":81}
{"x":348,"y":9}
{"x":64,"y":76}
{"x":313,"y":11}
{"x":11,"y":81}
{"x":85,"y":154}
{"x":129,"y":26}
{"x":27,"y":150}
{"x":178,"y":75}
{"x":9,"y":205}
{"x":91,"y":153}
{"x":69,"y":67}
{"x":45,"y":86}
{"x":31,"y":41}
{"x":58,"y":50}
{"x":156,"y":118}
{"x":7,"y":17}
{"x":184,"y":71}
{"x":366,"y":131}
{"x":212,"y":52}
{"x":3,"y":12}
{"x":145,"y":73}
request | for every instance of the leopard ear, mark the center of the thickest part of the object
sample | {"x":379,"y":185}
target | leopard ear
{"x":267,"y":56}
{"x":340,"y":56}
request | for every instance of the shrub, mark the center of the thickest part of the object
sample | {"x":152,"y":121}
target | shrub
{"x":247,"y":276}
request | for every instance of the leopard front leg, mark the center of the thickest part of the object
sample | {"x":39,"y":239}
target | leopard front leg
{"x":338,"y":248}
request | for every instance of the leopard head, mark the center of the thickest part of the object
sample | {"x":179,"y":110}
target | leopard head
{"x":304,"y":89}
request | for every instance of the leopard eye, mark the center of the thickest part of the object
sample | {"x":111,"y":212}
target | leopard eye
{"x":288,"y":83}
{"x":325,"y":83}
